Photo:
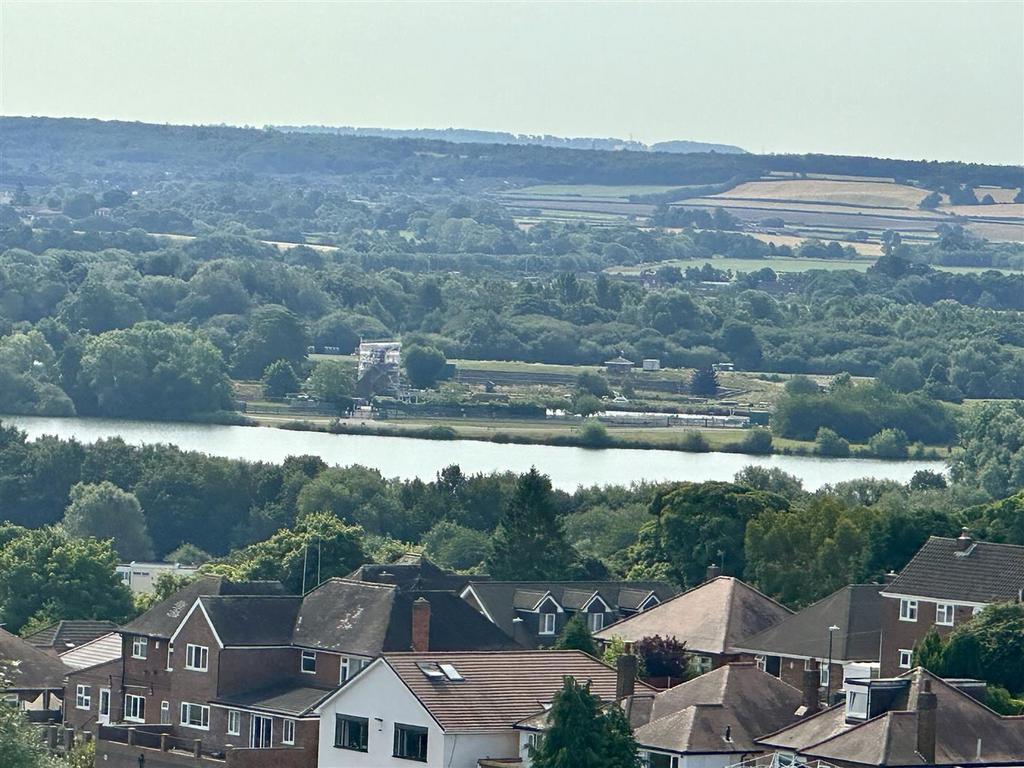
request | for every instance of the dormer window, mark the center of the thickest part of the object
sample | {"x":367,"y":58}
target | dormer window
{"x":547,"y":624}
{"x":595,"y":622}
{"x":857,"y":705}
{"x":309,"y":662}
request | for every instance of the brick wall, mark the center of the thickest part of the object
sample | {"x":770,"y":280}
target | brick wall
{"x":898,"y":634}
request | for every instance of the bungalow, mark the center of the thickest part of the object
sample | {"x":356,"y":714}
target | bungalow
{"x":449,"y":710}
{"x":29,"y":677}
{"x":711,"y":620}
{"x":64,"y":635}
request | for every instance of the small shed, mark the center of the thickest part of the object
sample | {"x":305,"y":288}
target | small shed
{"x":652,"y":364}
{"x":619,"y":366}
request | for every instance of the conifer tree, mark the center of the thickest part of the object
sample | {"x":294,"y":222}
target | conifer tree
{"x":529,"y":543}
{"x":576,"y":637}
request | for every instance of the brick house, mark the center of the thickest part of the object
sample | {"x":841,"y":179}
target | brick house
{"x":801,"y":641}
{"x":711,"y":619}
{"x":534,"y":612}
{"x":944,"y":584}
{"x":236,"y":671}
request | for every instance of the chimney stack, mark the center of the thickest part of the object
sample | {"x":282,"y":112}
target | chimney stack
{"x":811,"y":684}
{"x":964,"y":542}
{"x":420,"y":625}
{"x":891,"y":576}
{"x":713,"y":572}
{"x":927,"y":703}
{"x":625,"y":681}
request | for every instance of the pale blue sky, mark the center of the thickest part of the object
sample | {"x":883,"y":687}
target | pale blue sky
{"x":935,"y":80}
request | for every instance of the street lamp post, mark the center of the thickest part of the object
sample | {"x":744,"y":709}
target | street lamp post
{"x":828,"y":669}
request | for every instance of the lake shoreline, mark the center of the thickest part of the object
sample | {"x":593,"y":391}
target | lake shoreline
{"x":418,"y":458}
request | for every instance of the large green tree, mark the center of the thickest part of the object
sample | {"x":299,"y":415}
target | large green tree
{"x":47,"y":575}
{"x":156,"y":370}
{"x":320,"y":545}
{"x":529,"y":543}
{"x":104,"y":511}
{"x":273,"y":333}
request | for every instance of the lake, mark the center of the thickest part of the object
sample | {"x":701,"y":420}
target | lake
{"x":410,"y":458}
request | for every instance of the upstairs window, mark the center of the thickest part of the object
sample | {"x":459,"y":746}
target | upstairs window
{"x":411,"y":742}
{"x":140,"y":647}
{"x":908,"y":610}
{"x":309,"y":662}
{"x":906,"y":657}
{"x":197,"y":657}
{"x":595,"y":622}
{"x":945,"y":614}
{"x":547,"y":624}
{"x":351,"y":733}
{"x":288,"y":732}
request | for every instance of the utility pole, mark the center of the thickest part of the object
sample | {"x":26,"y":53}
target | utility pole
{"x":828,"y":669}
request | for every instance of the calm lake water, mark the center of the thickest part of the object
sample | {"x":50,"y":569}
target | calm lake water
{"x":408,"y":457}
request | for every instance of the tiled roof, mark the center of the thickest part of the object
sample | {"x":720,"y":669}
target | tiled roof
{"x":69,"y":633}
{"x":712,"y":618}
{"x":163,"y":618}
{"x":984,"y":573}
{"x":30,"y":668}
{"x":411,"y":571}
{"x":241,"y":620}
{"x":501,"y":599}
{"x":366,"y":619}
{"x":287,"y":699}
{"x":891,"y":738}
{"x":96,"y":652}
{"x":856,"y":610}
{"x":693,"y":717}
{"x":499,"y":688}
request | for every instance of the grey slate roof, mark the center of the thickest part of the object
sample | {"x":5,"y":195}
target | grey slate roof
{"x":411,"y":571}
{"x":711,"y":618}
{"x":692,"y":718}
{"x":288,"y":699}
{"x":69,"y":633}
{"x":500,"y":599}
{"x":891,"y":738}
{"x":367,"y":619}
{"x":241,"y":620}
{"x":985,"y":573}
{"x":163,"y":618}
{"x":855,"y":609}
{"x":30,"y":668}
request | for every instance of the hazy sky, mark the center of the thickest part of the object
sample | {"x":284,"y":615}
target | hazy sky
{"x":913,"y":80}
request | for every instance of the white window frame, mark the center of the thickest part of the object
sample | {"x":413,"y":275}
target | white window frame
{"x":595,"y":622}
{"x":948,"y":611}
{"x":703,"y":664}
{"x":234,"y":722}
{"x":344,"y":670}
{"x":288,"y":732}
{"x":83,"y":696}
{"x":306,"y":656}
{"x":186,"y":710}
{"x":545,"y":619}
{"x":165,"y":713}
{"x":191,"y":652}
{"x":761,"y":662}
{"x":824,"y":673}
{"x":140,"y":647}
{"x":905,"y":653}
{"x":136,"y":706}
{"x":908,"y":609}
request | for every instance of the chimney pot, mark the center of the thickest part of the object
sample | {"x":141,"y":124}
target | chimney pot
{"x":713,"y":572}
{"x":625,"y":680}
{"x":891,"y":576}
{"x":421,"y":625}
{"x":964,"y":541}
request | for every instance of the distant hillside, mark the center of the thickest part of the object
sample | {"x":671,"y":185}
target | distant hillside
{"x":46,"y":151}
{"x":468,"y":136}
